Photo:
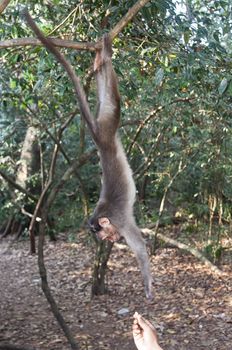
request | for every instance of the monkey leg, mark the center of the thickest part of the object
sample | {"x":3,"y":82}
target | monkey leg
{"x":137,"y":244}
{"x":108,"y":114}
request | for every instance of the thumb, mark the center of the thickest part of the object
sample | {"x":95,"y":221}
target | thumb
{"x":143,"y":323}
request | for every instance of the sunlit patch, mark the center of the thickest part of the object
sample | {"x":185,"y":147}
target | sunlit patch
{"x":228,"y":300}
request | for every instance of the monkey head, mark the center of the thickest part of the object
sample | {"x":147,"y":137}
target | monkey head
{"x":105,"y":230}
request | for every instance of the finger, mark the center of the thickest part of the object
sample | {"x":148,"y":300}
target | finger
{"x":143,"y":323}
{"x":136,"y":315}
{"x":136,"y":327}
{"x":136,"y":321}
{"x":136,"y":332}
{"x":149,"y":324}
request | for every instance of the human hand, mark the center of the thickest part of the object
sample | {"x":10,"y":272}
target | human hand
{"x":144,"y":334}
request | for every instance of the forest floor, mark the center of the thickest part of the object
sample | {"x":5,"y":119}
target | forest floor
{"x":191,"y":309}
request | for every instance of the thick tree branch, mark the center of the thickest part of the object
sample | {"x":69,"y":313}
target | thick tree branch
{"x":78,"y":45}
{"x":45,"y":286}
{"x":17,"y":186}
{"x":43,"y":274}
{"x":3,"y":5}
{"x":57,"y":42}
{"x":81,"y":96}
{"x":187,"y":248}
{"x":42,"y":206}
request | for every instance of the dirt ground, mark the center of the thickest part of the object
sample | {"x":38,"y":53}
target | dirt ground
{"x":191,"y":309}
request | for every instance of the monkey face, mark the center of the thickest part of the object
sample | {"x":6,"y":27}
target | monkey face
{"x":108,"y":231}
{"x":105,"y":230}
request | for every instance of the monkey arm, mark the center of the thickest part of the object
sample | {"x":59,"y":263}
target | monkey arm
{"x":83,"y":104}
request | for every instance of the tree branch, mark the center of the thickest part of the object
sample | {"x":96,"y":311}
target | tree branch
{"x":56,"y":42}
{"x":172,"y":241}
{"x":17,"y":186}
{"x":42,"y":206}
{"x":42,"y":269}
{"x":152,"y":115}
{"x":127,"y":18}
{"x":161,"y":209}
{"x":64,"y":20}
{"x":42,"y":197}
{"x":187,"y":248}
{"x":76,"y":165}
{"x":3,"y":5}
{"x":45,"y":286}
{"x":78,"y":45}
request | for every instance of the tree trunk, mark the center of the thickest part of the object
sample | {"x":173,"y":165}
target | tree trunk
{"x":29,"y":161}
{"x":29,"y":166}
{"x":100,"y":268}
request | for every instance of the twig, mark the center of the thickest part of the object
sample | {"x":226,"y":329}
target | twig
{"x":82,"y":160}
{"x":42,"y":197}
{"x":161,"y":209}
{"x":152,"y":115}
{"x":127,"y":18}
{"x":64,"y":20}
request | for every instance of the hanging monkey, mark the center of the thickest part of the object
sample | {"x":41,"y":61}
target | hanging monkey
{"x":113,"y":216}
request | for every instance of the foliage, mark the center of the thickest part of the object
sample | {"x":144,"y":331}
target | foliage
{"x":174,"y":64}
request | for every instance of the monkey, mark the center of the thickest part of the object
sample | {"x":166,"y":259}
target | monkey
{"x":113,"y":216}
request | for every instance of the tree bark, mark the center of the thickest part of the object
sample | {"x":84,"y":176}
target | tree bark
{"x":29,"y":165}
{"x":3,"y":5}
{"x":45,"y":286}
{"x":29,"y":161}
{"x":77,"y":45}
{"x":100,"y":268}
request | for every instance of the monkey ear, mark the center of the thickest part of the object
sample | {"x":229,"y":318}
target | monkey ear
{"x":103,"y":222}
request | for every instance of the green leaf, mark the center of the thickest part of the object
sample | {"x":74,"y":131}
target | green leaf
{"x":13,"y":84}
{"x":223,"y":86}
{"x":159,"y":77}
{"x":186,"y":37}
